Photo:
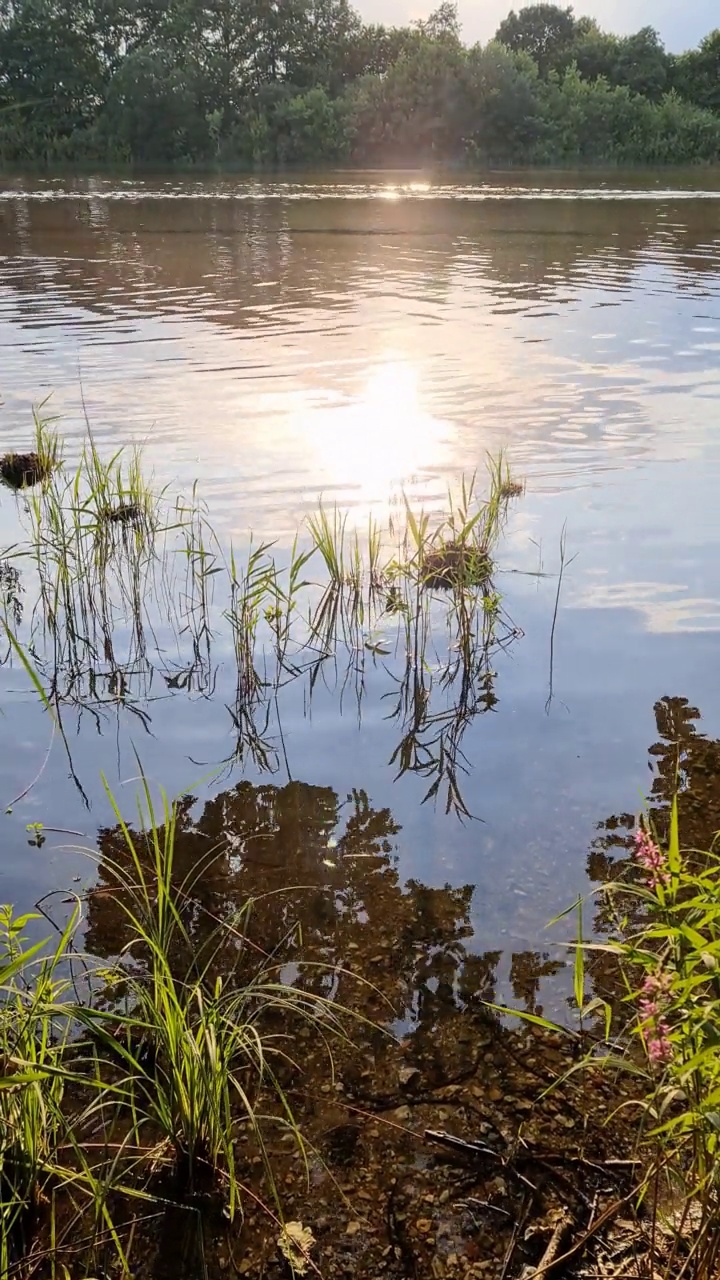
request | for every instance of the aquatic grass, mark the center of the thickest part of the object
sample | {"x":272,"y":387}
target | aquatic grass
{"x":456,"y":550}
{"x":444,"y":686}
{"x":337,"y":636}
{"x":327,"y":530}
{"x":504,"y":487}
{"x":26,"y":470}
{"x":92,"y":534}
{"x":200,"y":1041}
{"x":45,"y":1122}
{"x":117,"y":596}
{"x":203,"y":560}
{"x":286,"y":598}
{"x":253,"y":593}
{"x":252,"y":599}
{"x":376,"y":570}
{"x":348,"y":561}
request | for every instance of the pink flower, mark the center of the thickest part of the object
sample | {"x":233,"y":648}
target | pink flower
{"x":649,"y":1009}
{"x":659,"y":1048}
{"x":657,"y":984}
{"x":652,"y":859}
{"x":654,"y":998}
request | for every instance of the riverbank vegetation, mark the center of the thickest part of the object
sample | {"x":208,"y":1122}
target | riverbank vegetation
{"x":149,"y":1084}
{"x":653,"y":1015}
{"x":197,"y":1076}
{"x":256,"y":83}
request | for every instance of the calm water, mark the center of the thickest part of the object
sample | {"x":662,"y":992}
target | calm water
{"x":350,"y":337}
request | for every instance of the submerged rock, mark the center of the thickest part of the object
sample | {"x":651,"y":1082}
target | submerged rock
{"x":23,"y":470}
{"x":123,"y":513}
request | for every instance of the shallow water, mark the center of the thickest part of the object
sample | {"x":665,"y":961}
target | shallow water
{"x":350,"y":336}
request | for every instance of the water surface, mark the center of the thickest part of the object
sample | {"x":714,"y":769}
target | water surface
{"x":352,"y":337}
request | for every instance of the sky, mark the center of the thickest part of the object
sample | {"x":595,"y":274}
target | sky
{"x":681,"y":25}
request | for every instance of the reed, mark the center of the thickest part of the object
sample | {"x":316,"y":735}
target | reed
{"x":328,"y":533}
{"x":125,"y":579}
{"x":199,"y":1041}
{"x":113,"y":1106}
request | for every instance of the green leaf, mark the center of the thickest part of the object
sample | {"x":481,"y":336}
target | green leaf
{"x":534,"y":1018}
{"x":29,"y":668}
{"x":673,"y":853}
{"x":579,"y":970}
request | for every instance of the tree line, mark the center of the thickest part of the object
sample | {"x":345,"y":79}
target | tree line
{"x":289,"y":82}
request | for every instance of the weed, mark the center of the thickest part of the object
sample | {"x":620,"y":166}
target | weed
{"x":327,"y":531}
{"x":25,"y":470}
{"x":666,"y":917}
{"x":116,"y":1103}
{"x":193,"y":1042}
{"x":120,"y":587}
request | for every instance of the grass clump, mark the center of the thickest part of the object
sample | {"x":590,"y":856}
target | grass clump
{"x":455,"y":552}
{"x":25,"y":470}
{"x":458,"y":553}
{"x":130,"y":1091}
{"x":193,"y":1040}
{"x":51,"y":1104}
{"x":22,"y":470}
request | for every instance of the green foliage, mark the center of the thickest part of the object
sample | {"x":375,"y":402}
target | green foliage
{"x":158,"y":1065}
{"x":152,"y":111}
{"x":413,"y":112}
{"x":310,"y":129}
{"x":504,"y":94}
{"x":641,"y":64}
{"x":50,"y":77}
{"x":669,"y":955}
{"x":696,"y":74}
{"x":544,"y":31}
{"x":664,"y":920}
{"x":257,"y":82}
{"x":595,"y":121}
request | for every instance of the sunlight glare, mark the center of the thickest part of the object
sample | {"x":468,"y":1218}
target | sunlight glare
{"x":373,"y":447}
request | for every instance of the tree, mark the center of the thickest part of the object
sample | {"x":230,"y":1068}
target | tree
{"x":119,"y":27}
{"x":443,"y":23}
{"x":49,"y":69}
{"x":152,"y":111}
{"x":309,"y":129}
{"x":412,"y":113}
{"x":502,"y":102}
{"x":594,"y":52}
{"x":696,"y":74}
{"x":544,"y":31}
{"x":325,"y":37}
{"x":268,"y":81}
{"x":376,"y":48}
{"x":642,"y":64}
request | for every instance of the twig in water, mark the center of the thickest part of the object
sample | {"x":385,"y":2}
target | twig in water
{"x":562,"y":1224}
{"x":11,"y":804}
{"x":563,"y":548}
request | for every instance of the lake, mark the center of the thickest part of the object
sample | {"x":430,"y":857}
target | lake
{"x":354,"y":338}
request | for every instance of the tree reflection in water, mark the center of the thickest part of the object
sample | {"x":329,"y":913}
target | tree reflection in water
{"x":687,"y":764}
{"x":329,"y":909}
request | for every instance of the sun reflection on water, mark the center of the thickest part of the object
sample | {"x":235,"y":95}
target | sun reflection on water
{"x":385,"y":441}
